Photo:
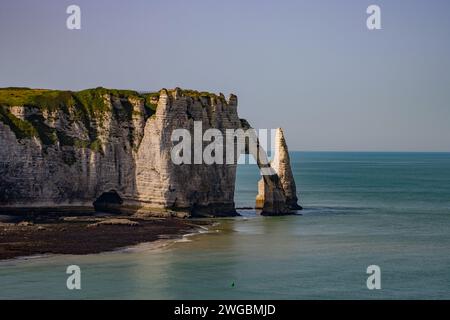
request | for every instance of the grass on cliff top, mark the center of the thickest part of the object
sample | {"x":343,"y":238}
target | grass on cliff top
{"x":90,"y":100}
{"x":202,"y":94}
{"x":198,"y":94}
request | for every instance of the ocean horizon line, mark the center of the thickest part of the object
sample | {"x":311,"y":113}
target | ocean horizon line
{"x":367,"y":151}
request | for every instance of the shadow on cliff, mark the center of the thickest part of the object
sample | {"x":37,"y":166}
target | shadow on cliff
{"x":111,"y":194}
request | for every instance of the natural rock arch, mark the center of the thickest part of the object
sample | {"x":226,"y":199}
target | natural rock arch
{"x":276,"y":190}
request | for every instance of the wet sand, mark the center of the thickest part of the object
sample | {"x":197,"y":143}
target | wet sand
{"x":86,"y":234}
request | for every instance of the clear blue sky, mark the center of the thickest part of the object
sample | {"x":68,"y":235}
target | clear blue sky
{"x":311,"y":67}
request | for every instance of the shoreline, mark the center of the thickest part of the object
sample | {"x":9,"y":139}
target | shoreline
{"x":82,"y":235}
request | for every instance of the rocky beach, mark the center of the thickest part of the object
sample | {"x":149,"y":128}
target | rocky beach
{"x":53,"y":234}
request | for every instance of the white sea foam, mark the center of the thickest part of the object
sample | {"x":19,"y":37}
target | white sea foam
{"x":165,"y":241}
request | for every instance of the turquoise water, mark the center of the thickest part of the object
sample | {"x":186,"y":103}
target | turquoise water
{"x":361,"y":209}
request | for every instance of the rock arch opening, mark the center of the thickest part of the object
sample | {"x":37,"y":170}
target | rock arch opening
{"x":276,"y":188}
{"x":109,"y":202}
{"x":246,"y":185}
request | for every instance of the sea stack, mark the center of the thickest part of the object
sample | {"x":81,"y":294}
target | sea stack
{"x":282,"y":166}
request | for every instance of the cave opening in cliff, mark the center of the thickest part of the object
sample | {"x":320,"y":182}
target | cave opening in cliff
{"x":109,"y":202}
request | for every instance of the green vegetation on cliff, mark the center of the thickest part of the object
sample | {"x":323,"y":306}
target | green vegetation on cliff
{"x":199,"y":94}
{"x":34,"y":126}
{"x":150,"y":102}
{"x":88,"y":107}
{"x":89,"y":100}
{"x":22,"y":129}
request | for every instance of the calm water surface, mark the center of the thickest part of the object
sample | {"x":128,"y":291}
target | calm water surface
{"x":387,"y":209}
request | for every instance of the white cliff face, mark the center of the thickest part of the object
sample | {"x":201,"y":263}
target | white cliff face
{"x":122,"y":158}
{"x":66,"y":172}
{"x":198,"y":188}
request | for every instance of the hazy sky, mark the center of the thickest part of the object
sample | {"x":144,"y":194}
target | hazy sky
{"x":311,"y":67}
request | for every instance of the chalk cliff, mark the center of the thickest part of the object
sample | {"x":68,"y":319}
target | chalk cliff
{"x":111,"y":150}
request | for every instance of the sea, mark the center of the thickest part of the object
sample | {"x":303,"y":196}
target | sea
{"x":362,"y":210}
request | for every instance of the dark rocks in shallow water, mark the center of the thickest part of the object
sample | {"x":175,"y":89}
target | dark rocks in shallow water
{"x":73,"y":236}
